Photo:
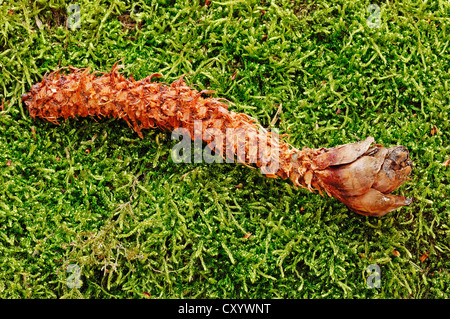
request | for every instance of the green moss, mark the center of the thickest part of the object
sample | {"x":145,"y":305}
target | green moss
{"x":90,"y":193}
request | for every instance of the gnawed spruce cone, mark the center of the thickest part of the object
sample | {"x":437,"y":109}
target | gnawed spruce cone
{"x":360,"y":175}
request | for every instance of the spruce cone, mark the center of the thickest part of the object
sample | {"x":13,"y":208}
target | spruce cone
{"x":360,"y":175}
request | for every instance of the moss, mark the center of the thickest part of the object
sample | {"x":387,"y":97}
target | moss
{"x":139,"y":225}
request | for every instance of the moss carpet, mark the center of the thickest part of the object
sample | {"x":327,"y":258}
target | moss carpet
{"x":90,"y":210}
